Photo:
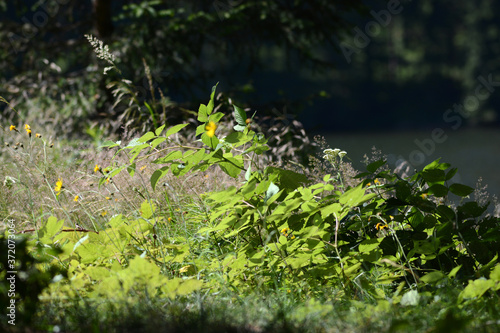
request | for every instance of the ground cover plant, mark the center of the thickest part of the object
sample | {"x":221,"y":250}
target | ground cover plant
{"x":202,"y":231}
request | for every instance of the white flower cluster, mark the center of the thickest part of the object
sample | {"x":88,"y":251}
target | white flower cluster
{"x":330,"y":154}
{"x":101,"y":50}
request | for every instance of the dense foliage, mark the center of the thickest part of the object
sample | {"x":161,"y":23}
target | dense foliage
{"x":387,"y":240}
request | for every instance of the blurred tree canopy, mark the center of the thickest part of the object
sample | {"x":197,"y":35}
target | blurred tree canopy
{"x":270,"y":54}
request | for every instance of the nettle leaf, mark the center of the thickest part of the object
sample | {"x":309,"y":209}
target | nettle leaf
{"x":174,"y":129}
{"x":147,"y":209}
{"x":461,"y":190}
{"x":51,"y":228}
{"x":240,"y":116}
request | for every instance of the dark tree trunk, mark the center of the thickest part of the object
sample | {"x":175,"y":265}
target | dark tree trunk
{"x":102,"y":17}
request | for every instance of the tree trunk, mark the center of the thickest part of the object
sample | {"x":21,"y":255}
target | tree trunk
{"x":102,"y":17}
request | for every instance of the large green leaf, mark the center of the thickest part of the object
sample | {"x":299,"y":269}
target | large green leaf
{"x":461,"y":190}
{"x":174,"y":129}
{"x":240,"y":116}
{"x":157,"y":175}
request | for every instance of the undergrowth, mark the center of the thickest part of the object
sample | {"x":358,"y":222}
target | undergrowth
{"x":204,"y":231}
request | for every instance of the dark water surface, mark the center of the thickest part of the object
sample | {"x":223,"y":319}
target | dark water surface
{"x":475,"y":152}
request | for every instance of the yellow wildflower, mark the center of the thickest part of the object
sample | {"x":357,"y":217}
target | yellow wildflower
{"x":27,"y":127}
{"x":108,"y":198}
{"x":97,"y":168}
{"x":76,"y":198}
{"x":169,"y":219}
{"x":380,"y":226}
{"x":103,"y":213}
{"x":58,"y":185}
{"x":293,"y":237}
{"x":38,"y":135}
{"x":376,"y":181}
{"x":13,"y":128}
{"x":29,"y":132}
{"x":210,"y":128}
{"x":423,"y":195}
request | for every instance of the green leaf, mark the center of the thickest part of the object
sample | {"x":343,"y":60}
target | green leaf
{"x":287,"y":178}
{"x":172,"y":156}
{"x":146,"y":137}
{"x":147,"y":209}
{"x":211,"y":104}
{"x":438,"y":190}
{"x":436,"y":165}
{"x":231,"y":166}
{"x":211,"y":142}
{"x":202,"y":114}
{"x":271,"y":190}
{"x":477,"y":288}
{"x":369,"y":245}
{"x":51,"y":228}
{"x":196,"y":157}
{"x":189,"y":286}
{"x":454,"y":272}
{"x":159,"y":130}
{"x":156,"y":142}
{"x":433,"y":175}
{"x":461,"y":190}
{"x":334,"y":208}
{"x":355,"y":196}
{"x":372,"y":167}
{"x":433,"y":277}
{"x":240,"y":116}
{"x":131,"y":169}
{"x":110,"y":144}
{"x":175,"y":129}
{"x":411,"y":297}
{"x":157,"y":175}
{"x":80,"y":242}
{"x":248,"y":173}
{"x":239,"y":128}
{"x":451,"y":173}
{"x":216,"y":117}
